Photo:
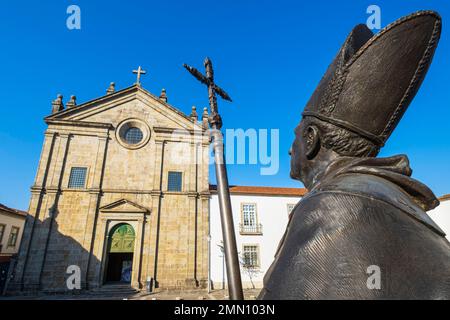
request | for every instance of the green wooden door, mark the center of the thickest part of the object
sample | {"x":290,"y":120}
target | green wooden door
{"x":122,"y":239}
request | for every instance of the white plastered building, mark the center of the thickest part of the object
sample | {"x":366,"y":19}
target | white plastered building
{"x":260,"y":217}
{"x":441,"y":214}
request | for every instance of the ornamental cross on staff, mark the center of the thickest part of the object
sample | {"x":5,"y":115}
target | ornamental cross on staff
{"x":226,"y":214}
{"x":213,"y":89}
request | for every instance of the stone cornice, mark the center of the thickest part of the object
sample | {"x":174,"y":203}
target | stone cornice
{"x":52,"y":189}
{"x":85,"y":105}
{"x":79,"y":123}
{"x":205,"y":195}
{"x":153,"y":193}
{"x":37,"y":189}
{"x":192,"y":194}
{"x":178,"y":130}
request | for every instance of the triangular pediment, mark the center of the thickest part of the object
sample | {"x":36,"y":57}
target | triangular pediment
{"x":124,"y":206}
{"x":134,"y":96}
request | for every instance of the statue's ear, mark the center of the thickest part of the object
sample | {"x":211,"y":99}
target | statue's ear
{"x":312,"y":141}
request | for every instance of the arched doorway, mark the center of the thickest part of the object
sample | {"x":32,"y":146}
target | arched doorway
{"x":120,"y":253}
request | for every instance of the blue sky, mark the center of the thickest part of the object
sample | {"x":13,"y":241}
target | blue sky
{"x":268,"y":55}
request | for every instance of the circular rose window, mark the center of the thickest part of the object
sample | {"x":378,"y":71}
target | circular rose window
{"x":133,"y":133}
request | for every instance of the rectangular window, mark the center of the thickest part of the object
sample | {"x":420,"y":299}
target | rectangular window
{"x":2,"y":231}
{"x":13,"y":237}
{"x":249,"y":220}
{"x":249,"y":214}
{"x":77,"y":179}
{"x":251,"y":256}
{"x":174,"y":181}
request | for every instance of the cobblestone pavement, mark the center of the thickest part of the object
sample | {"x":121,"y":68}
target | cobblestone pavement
{"x":249,"y":294}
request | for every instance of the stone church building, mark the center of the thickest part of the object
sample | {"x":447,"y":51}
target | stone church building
{"x":121,"y":194}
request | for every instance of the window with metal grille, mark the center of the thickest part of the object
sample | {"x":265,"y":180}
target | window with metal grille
{"x":13,"y":237}
{"x":249,"y":214}
{"x":174,"y":181}
{"x":251,"y":258}
{"x":77,"y":178}
{"x":133,"y":135}
{"x":249,"y":224}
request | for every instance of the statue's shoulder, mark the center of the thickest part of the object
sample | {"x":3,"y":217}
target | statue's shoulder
{"x":366,"y":185}
{"x":369,"y":189}
{"x":340,"y":231}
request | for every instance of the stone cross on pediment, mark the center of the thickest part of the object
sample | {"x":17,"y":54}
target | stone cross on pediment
{"x":139,"y":72}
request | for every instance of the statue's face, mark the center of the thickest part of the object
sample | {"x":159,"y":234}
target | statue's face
{"x":299,"y":162}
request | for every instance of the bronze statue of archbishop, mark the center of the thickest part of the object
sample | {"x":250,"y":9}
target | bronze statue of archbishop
{"x":363,"y":216}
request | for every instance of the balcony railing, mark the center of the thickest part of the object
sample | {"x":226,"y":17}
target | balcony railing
{"x":250,"y":229}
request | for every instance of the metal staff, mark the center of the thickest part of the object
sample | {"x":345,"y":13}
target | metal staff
{"x":226,"y":215}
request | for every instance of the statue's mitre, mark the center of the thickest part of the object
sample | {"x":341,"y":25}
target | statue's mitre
{"x":374,"y":78}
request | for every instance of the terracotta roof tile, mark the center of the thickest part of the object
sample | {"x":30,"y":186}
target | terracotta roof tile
{"x":13,"y":211}
{"x":444,"y":197}
{"x":294,"y":192}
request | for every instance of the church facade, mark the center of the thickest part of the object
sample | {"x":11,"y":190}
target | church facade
{"x":121,"y":195}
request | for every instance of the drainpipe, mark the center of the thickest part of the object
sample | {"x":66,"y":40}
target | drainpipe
{"x":209,"y":245}
{"x":209,"y":258}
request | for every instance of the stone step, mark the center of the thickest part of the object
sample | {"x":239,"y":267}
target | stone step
{"x":114,"y":289}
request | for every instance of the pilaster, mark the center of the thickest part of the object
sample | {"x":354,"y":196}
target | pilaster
{"x":94,"y":202}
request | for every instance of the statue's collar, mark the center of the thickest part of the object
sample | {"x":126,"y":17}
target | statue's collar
{"x":395,"y":169}
{"x":390,"y":182}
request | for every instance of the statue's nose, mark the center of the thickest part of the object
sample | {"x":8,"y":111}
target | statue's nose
{"x":290,"y":151}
